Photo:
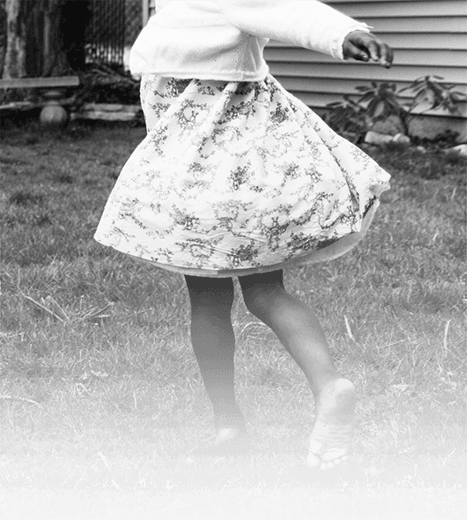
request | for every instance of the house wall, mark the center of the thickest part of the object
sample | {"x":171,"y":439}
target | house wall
{"x":149,"y":8}
{"x":428,"y":37}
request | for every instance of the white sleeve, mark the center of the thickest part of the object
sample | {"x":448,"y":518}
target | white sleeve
{"x":304,"y":23}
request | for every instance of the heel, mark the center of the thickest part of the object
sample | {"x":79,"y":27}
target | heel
{"x":231,"y":437}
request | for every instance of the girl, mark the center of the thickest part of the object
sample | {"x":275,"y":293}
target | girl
{"x":237,"y":177}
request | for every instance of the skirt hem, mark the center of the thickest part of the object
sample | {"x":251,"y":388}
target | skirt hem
{"x":330,"y":252}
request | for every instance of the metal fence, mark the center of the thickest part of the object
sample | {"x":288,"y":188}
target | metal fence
{"x":113,"y":27}
{"x":105,"y":34}
{"x":134,"y":20}
{"x":93,"y":31}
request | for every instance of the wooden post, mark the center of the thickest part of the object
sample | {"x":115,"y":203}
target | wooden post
{"x":145,"y":12}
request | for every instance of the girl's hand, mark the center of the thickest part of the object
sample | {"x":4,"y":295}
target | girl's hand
{"x":364,"y":46}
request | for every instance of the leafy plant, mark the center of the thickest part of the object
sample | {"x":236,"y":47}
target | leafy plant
{"x":104,"y":84}
{"x":430,"y":94}
{"x":347,"y":117}
{"x":380,"y":100}
{"x":353,"y":117}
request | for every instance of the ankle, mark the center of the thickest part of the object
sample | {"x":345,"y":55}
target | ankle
{"x":332,"y":384}
{"x":231,"y":419}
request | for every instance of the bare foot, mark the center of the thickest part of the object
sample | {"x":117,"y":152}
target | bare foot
{"x":333,"y":429}
{"x":231,"y":430}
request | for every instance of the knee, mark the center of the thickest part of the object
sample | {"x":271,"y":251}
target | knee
{"x":260,"y":301}
{"x":261,"y":292}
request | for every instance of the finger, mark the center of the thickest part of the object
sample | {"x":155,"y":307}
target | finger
{"x":356,"y":53}
{"x":380,"y":52}
{"x":387,"y":55}
{"x":374,"y":50}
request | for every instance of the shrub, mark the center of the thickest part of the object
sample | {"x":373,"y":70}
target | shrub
{"x":103,"y":84}
{"x":352,"y":118}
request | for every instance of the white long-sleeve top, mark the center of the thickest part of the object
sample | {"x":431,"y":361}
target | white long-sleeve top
{"x":225,"y":39}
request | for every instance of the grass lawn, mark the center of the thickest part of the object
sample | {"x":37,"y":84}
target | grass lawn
{"x":102,"y":411}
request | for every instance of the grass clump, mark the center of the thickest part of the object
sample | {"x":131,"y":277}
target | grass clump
{"x":99,"y":388}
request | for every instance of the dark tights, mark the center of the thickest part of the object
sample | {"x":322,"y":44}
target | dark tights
{"x":213,"y":338}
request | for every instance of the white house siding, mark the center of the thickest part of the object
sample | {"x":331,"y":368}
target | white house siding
{"x":429,"y":38}
{"x":149,"y":8}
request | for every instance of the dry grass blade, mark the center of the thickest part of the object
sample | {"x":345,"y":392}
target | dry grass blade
{"x":250,"y":324}
{"x":98,"y":314}
{"x":17,"y":398}
{"x":51,"y":307}
{"x":445,"y":340}
{"x":104,"y":459}
{"x":45,"y":309}
{"x":349,"y":331}
{"x":57,"y":308}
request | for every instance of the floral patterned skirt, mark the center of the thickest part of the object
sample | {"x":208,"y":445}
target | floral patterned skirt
{"x":237,"y":178}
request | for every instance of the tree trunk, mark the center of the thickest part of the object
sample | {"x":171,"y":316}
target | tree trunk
{"x":43,"y":37}
{"x":2,"y":35}
{"x":15,"y":53}
{"x":54,"y":52}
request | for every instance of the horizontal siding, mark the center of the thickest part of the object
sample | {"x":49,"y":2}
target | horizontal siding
{"x":370,"y":72}
{"x":402,"y":9}
{"x":422,"y":40}
{"x":336,"y":3}
{"x":428,"y":37}
{"x":449,"y":58}
{"x":338,"y":86}
{"x":315,"y":95}
{"x":447,"y":24}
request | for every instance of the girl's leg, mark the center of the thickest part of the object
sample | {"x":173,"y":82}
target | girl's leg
{"x":298,"y":329}
{"x":213,"y":342}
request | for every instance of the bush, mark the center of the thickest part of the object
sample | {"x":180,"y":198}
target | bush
{"x":353,"y":118}
{"x":103,"y":84}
